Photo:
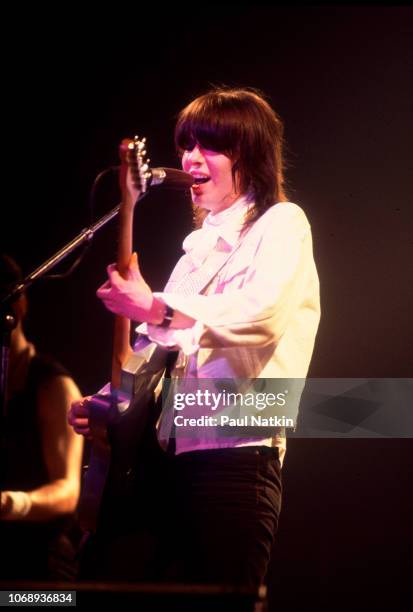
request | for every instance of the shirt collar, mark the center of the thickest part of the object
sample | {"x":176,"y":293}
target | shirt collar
{"x":228,"y":223}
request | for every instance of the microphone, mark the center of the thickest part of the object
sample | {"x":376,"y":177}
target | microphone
{"x":170,"y":178}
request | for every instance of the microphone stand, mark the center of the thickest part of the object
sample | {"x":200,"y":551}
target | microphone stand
{"x":8,"y":321}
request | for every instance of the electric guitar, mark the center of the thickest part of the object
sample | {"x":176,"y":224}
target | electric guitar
{"x":135,"y":374}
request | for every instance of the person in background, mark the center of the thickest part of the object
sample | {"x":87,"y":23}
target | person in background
{"x":41,"y":458}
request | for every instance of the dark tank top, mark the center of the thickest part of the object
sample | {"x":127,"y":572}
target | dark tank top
{"x":38,"y":550}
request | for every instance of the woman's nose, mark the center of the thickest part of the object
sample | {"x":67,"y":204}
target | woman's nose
{"x":195,"y":156}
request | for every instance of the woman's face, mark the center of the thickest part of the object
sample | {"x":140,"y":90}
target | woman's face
{"x":216,"y":190}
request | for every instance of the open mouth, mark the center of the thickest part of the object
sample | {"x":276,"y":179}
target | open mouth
{"x":200,"y":180}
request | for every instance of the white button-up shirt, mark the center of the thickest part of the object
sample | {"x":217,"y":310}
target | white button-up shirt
{"x":258,"y":316}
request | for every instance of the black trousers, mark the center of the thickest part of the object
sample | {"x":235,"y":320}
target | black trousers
{"x":206,"y":516}
{"x":228,"y":503}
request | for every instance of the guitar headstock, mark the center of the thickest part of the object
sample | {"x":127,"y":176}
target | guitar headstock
{"x":133,"y":152}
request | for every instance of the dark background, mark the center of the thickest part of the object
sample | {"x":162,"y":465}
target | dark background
{"x":341,"y":79}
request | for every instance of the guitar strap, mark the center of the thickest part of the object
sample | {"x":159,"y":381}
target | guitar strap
{"x":192,"y":283}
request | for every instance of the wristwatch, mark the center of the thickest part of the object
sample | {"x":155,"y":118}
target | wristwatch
{"x":169,"y":314}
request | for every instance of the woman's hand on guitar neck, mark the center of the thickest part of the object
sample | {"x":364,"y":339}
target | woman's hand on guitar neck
{"x":131,"y":297}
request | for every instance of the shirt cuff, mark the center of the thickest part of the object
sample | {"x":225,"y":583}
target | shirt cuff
{"x":186,"y":340}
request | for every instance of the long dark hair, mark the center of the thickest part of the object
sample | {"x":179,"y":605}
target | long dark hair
{"x":241,"y":124}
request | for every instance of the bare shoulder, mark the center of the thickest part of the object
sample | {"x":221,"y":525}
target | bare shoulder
{"x":56,"y":394}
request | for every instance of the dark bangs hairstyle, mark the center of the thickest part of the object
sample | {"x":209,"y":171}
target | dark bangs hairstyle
{"x":241,"y":124}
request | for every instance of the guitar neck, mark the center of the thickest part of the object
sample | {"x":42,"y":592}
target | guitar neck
{"x":132,"y":181}
{"x":121,"y":338}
